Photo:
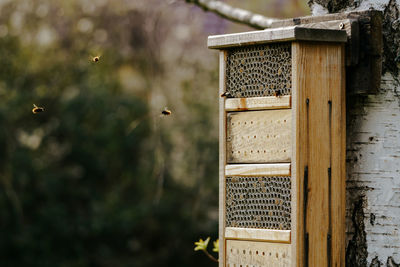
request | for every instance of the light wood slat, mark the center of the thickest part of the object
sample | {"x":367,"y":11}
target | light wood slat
{"x":282,"y":236}
{"x":297,"y":250}
{"x":281,"y":169}
{"x":276,"y":35}
{"x":257,"y":103}
{"x":253,"y":253}
{"x":262,"y":136}
{"x":222,"y":157}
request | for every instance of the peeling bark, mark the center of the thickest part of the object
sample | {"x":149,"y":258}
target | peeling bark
{"x":391,"y":263}
{"x":356,"y":253}
{"x":391,"y":33}
{"x":334,"y":6}
{"x":375,"y":262}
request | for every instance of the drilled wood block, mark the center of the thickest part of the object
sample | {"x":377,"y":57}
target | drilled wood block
{"x":252,"y":253}
{"x":259,"y":136}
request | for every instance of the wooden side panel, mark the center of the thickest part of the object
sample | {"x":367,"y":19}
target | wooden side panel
{"x":259,"y":136}
{"x":319,"y":89}
{"x":251,"y":253}
{"x":281,"y":236}
{"x":278,"y":169}
{"x":257,"y":103}
{"x":338,"y":134}
{"x":222,"y":158}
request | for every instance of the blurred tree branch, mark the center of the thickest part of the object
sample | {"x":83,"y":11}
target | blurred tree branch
{"x":234,"y":14}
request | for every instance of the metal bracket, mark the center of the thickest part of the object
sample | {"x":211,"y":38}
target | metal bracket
{"x":364,"y":46}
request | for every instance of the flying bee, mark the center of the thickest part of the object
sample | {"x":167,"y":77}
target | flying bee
{"x":37,"y":109}
{"x":95,"y":59}
{"x":166,"y":112}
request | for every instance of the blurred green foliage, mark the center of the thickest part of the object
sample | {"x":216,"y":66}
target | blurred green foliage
{"x":99,"y":178}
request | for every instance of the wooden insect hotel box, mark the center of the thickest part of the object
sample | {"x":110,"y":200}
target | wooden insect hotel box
{"x":282,"y":147}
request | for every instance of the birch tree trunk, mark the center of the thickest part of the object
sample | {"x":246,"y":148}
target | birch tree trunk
{"x":373,"y":149}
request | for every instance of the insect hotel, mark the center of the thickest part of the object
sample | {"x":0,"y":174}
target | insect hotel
{"x":282,"y":147}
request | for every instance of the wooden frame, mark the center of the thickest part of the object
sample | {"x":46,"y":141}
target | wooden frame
{"x":281,"y":169}
{"x":222,"y":158}
{"x":316,"y":110}
{"x":257,"y":103}
{"x":280,"y":236}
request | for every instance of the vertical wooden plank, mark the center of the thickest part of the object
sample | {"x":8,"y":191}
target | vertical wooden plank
{"x":299,"y":156}
{"x":294,"y":194}
{"x":222,"y":157}
{"x":318,"y":76}
{"x":317,"y":71}
{"x":339,"y":165}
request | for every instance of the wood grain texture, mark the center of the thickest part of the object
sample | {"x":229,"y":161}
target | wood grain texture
{"x":257,"y":103}
{"x":319,"y":145}
{"x":297,"y":249}
{"x":281,"y":169}
{"x":351,"y":26}
{"x":280,"y":236}
{"x":259,"y":136}
{"x":364,"y":54}
{"x":291,"y":33}
{"x":222,"y":157}
{"x":252,"y":253}
{"x":338,"y":162}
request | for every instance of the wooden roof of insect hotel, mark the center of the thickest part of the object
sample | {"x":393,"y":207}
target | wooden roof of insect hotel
{"x":293,"y":33}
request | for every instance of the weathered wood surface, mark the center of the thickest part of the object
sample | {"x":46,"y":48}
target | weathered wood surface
{"x":285,"y":34}
{"x":222,"y":157}
{"x":252,"y":253}
{"x":351,"y":27}
{"x":257,"y":103}
{"x":259,"y":136}
{"x":281,"y":169}
{"x":364,"y":49}
{"x":280,"y":236}
{"x":320,"y":142}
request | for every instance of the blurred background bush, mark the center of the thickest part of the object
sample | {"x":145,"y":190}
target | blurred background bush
{"x":99,"y":178}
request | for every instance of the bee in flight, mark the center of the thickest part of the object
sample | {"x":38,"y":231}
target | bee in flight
{"x":37,"y":109}
{"x":166,"y":112}
{"x":95,"y":59}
